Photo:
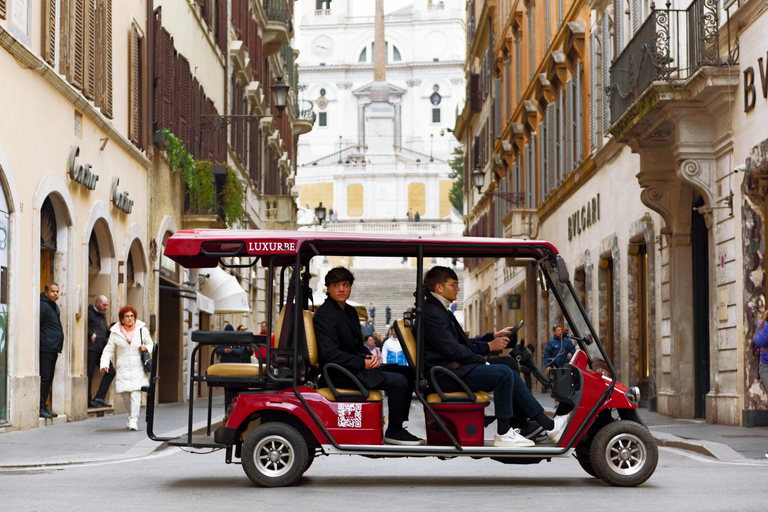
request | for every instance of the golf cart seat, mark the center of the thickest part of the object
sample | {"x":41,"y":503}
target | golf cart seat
{"x":223,"y":374}
{"x":408,"y":342}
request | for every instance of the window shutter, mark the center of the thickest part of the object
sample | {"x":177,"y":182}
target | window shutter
{"x":106,"y":48}
{"x":594,"y":127}
{"x":518,"y":67}
{"x":531,"y":43}
{"x":546,"y":25}
{"x":507,"y":90}
{"x":497,"y":108}
{"x":605,"y":65}
{"x":559,"y":12}
{"x":65,"y":39}
{"x":475,"y":97}
{"x":182,"y":93}
{"x":134,"y":95}
{"x":551,"y":169}
{"x":578,"y":118}
{"x":89,"y":89}
{"x":618,"y":26}
{"x":542,"y":160}
{"x":207,"y":6}
{"x":569,"y":125}
{"x":221,"y":25}
{"x":78,"y":40}
{"x":2,"y":10}
{"x":560,"y":138}
{"x":518,"y":183}
{"x":48,"y":31}
{"x":530,"y":181}
{"x":635,"y":15}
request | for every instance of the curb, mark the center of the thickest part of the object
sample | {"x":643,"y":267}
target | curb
{"x":141,"y":449}
{"x":718,"y":451}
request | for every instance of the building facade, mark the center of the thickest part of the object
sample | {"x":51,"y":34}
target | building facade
{"x":108,"y":87}
{"x":380,"y":166}
{"x":646,"y":171}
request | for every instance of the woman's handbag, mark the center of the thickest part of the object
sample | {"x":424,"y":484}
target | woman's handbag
{"x":146,"y":358}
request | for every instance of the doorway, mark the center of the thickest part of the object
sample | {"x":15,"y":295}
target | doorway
{"x":169,"y":339}
{"x":607,"y":307}
{"x":700,"y":281}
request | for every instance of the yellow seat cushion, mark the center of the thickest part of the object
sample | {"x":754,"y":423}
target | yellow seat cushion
{"x":480,"y":396}
{"x":373,"y":394}
{"x":234,"y":370}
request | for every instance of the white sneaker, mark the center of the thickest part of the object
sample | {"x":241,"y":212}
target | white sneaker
{"x":512,"y":439}
{"x":556,"y":433}
{"x":132,"y":426}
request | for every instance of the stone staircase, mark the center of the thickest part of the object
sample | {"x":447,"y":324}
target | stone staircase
{"x":395,"y":287}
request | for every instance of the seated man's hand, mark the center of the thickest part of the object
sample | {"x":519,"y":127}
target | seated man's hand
{"x":372,"y":362}
{"x":498,"y":344}
{"x":503,"y":333}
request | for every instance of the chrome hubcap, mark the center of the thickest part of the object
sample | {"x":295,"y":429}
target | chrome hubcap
{"x":626,"y":454}
{"x":273,"y":456}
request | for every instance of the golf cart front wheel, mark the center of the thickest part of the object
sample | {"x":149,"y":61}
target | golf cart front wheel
{"x":623,"y":454}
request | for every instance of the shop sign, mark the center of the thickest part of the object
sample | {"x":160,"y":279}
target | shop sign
{"x":81,"y":173}
{"x":750,"y":93}
{"x":120,"y":200}
{"x":584,"y":218}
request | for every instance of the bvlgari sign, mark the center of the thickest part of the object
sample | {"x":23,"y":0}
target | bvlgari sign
{"x":584,"y":218}
{"x":81,"y":173}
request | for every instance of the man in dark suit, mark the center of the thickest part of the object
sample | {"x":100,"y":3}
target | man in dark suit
{"x":447,"y":345}
{"x":339,"y":340}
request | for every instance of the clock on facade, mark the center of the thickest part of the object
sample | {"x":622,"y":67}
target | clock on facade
{"x":322,"y":46}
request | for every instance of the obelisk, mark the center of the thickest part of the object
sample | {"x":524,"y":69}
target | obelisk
{"x":380,"y":113}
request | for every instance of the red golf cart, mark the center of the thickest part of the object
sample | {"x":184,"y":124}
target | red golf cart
{"x":281,"y":420}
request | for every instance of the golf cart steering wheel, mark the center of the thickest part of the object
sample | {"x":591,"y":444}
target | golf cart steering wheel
{"x":515,"y":329}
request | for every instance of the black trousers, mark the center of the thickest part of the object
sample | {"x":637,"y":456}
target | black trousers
{"x":47,"y":367}
{"x":93,"y":365}
{"x":399,"y":388}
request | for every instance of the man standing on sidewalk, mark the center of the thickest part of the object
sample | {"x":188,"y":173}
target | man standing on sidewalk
{"x":98,"y":331}
{"x":51,"y":343}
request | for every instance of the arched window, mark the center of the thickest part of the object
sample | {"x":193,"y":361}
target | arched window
{"x":396,"y":53}
{"x":363,"y":55}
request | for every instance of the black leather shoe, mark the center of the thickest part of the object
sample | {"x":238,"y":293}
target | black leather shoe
{"x":45,"y":413}
{"x":92,"y":404}
{"x":53,"y":414}
{"x":101,"y":403}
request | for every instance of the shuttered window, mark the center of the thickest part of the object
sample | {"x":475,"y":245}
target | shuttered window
{"x":578,"y":118}
{"x":136,"y":119}
{"x":569,"y":142}
{"x":542,"y":160}
{"x":106,"y":59}
{"x":551,"y":168}
{"x":518,"y":67}
{"x":559,"y":12}
{"x":530,"y":174}
{"x":497,"y":128}
{"x":618,"y":28}
{"x":546,"y":25}
{"x":90,"y":66}
{"x":531,"y":44}
{"x":47,"y":31}
{"x":222,"y":22}
{"x":507,"y":91}
{"x":77,"y":32}
{"x":595,"y":119}
{"x":605,"y":63}
{"x":635,"y":15}
{"x":560,"y":138}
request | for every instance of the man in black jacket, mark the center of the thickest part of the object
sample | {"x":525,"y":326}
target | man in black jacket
{"x":98,"y":332}
{"x":339,"y":340}
{"x":51,"y":343}
{"x":447,"y":345}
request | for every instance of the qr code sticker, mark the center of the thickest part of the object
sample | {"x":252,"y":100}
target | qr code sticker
{"x":350,"y":415}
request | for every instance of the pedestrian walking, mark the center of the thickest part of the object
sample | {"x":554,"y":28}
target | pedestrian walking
{"x":51,"y":343}
{"x":127,"y":340}
{"x":388,"y":313}
{"x":372,"y":313}
{"x":98,"y":332}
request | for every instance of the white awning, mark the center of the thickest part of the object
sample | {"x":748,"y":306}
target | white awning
{"x":227,"y":294}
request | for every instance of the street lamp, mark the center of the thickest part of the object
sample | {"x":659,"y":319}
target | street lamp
{"x":280,"y":94}
{"x":431,"y":140}
{"x":339,"y":150}
{"x":320,"y":213}
{"x":478,"y":179}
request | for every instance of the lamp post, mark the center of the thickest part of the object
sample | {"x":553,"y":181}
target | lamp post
{"x":339,"y":162}
{"x":320,"y":213}
{"x":431,"y":140}
{"x":280,"y":94}
{"x":513,"y":198}
{"x":478,"y":179}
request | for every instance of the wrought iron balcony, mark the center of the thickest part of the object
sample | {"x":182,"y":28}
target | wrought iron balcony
{"x":305,"y":117}
{"x":671,"y":45}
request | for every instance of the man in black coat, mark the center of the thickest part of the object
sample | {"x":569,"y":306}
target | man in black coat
{"x":98,"y":332}
{"x":447,"y":345}
{"x":339,"y":340}
{"x":51,"y":343}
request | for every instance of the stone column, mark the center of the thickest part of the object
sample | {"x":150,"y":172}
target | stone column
{"x":398,"y":127}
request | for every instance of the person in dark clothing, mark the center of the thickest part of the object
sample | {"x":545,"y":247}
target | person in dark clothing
{"x":98,"y":332}
{"x":51,"y":343}
{"x":337,"y":329}
{"x":388,"y":314}
{"x":558,"y":350}
{"x":447,"y":345}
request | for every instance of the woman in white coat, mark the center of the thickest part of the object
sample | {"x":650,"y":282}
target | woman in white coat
{"x":128,"y":338}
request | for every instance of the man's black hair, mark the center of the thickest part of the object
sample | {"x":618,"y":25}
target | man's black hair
{"x":337,"y":275}
{"x":438,"y":275}
{"x":52,"y":283}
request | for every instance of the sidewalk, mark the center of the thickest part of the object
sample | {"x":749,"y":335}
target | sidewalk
{"x":107,"y":439}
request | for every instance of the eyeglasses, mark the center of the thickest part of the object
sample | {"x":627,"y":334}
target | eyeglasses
{"x":455,"y":285}
{"x":129,"y":315}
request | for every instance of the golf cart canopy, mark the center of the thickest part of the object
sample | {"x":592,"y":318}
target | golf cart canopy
{"x":204,"y":248}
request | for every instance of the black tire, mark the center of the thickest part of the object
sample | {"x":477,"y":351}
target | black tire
{"x":623,"y":454}
{"x":275,"y":455}
{"x":582,"y":455}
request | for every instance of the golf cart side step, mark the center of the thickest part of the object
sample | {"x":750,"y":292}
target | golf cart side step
{"x":198,"y":441}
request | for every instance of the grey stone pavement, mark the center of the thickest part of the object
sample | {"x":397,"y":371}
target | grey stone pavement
{"x":107,"y":439}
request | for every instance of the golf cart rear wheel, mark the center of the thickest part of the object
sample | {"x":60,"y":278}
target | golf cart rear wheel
{"x":582,"y":455}
{"x":623,"y":454}
{"x":275,"y":455}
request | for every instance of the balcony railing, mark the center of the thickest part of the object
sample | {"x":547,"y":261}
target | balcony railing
{"x":305,"y":110}
{"x":277,"y":10}
{"x":671,"y":45}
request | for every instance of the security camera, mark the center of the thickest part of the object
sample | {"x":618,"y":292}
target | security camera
{"x":740,"y":168}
